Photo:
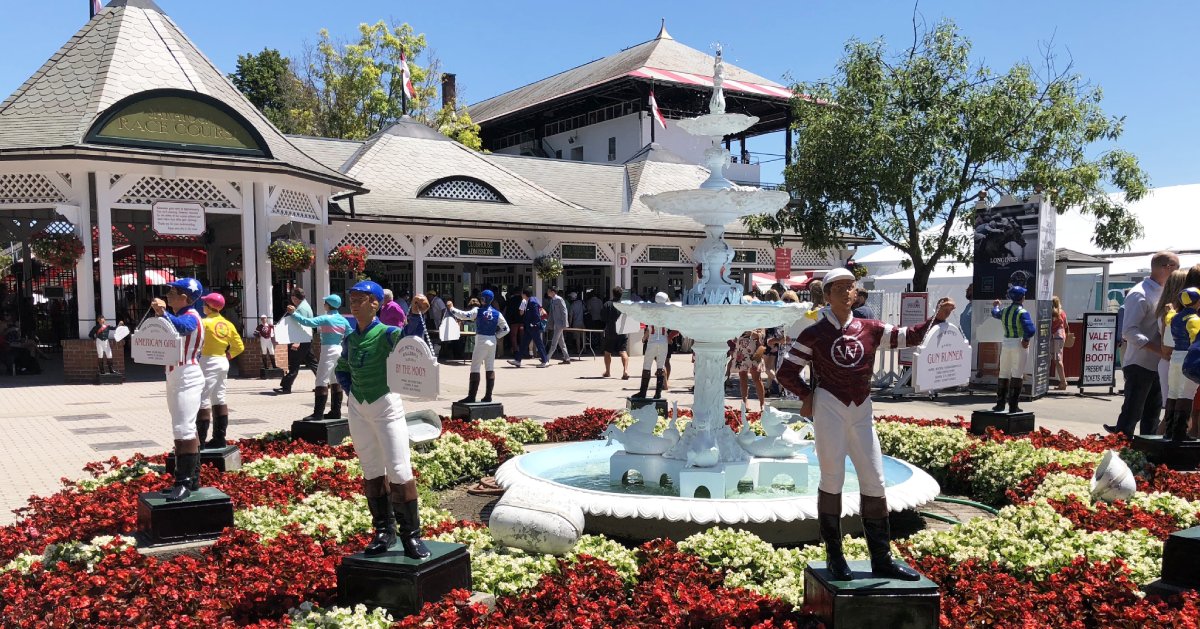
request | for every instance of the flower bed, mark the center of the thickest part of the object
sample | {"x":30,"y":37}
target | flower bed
{"x":1052,"y":557}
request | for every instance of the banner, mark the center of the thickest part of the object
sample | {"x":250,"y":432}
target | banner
{"x":1006,"y":249}
{"x":783,"y":263}
{"x":1041,"y":355}
{"x":1099,"y":351}
{"x":914,"y":310}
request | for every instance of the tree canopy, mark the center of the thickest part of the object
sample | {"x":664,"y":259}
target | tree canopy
{"x":898,"y":146}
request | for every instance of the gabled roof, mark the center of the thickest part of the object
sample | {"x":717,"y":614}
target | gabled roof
{"x":331,"y":152}
{"x":596,"y":186}
{"x":129,"y":47}
{"x":662,"y":58}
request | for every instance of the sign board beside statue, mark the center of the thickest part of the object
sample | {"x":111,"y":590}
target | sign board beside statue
{"x":157,"y":343}
{"x":412,"y":370}
{"x":943,"y":360}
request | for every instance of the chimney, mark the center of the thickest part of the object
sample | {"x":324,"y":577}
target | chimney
{"x":449,"y":91}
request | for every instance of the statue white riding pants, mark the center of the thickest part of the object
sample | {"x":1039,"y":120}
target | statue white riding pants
{"x":1179,"y":386}
{"x":1012,"y":359}
{"x":266,"y":346}
{"x":380,"y":437}
{"x":655,"y":351}
{"x":484,"y":355}
{"x":103,"y":349}
{"x":329,"y":358}
{"x":842,"y":430}
{"x":215,"y":369}
{"x":185,"y":384}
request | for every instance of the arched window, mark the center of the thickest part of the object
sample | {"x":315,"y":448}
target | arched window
{"x":461,"y":189}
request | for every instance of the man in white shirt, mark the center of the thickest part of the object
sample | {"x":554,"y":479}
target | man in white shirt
{"x":1143,"y":345}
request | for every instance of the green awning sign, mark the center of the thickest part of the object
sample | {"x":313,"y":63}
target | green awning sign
{"x":479,"y":248}
{"x":175,"y":122}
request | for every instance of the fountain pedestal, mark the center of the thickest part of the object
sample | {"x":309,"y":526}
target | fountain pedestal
{"x":870,"y":602}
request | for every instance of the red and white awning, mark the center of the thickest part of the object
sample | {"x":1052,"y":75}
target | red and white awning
{"x":798,"y":281}
{"x":154,"y":277}
{"x":685,"y":78}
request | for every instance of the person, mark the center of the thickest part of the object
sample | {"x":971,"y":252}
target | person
{"x":577,"y":321}
{"x":1183,"y":325}
{"x":514,"y":308}
{"x":378,"y":427}
{"x":222,"y":343}
{"x":558,"y":325}
{"x":748,"y":351}
{"x":1058,"y":337}
{"x":1193,"y":281}
{"x":771,"y":338}
{"x":861,"y":309}
{"x":300,"y":339}
{"x":658,"y":342}
{"x":595,"y":310}
{"x":185,"y":382}
{"x":1143,"y":348}
{"x":433,"y":320}
{"x":265,"y":332}
{"x":533,"y":325}
{"x":102,"y":334}
{"x":841,"y":350}
{"x":1014,"y":352}
{"x":490,"y":326}
{"x":418,"y":323}
{"x":392,"y":313}
{"x":1168,"y":304}
{"x":333,"y":328}
{"x":21,"y":351}
{"x":403,"y":300}
{"x":964,"y":318}
{"x":614,"y":343}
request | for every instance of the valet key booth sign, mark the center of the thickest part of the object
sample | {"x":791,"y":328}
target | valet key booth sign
{"x":1099,"y":353}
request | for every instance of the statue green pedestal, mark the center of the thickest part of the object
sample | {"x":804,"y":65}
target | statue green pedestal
{"x":321,"y":431}
{"x":202,"y":515}
{"x":870,"y":602}
{"x":227,"y":459}
{"x":1008,"y":423}
{"x":403,"y":585}
{"x":1177,"y":455}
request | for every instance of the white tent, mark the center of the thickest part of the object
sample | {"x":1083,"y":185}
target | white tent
{"x":946,"y":280}
{"x":1160,"y":213}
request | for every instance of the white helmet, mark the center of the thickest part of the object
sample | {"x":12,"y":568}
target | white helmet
{"x":838,"y":274}
{"x":662,"y":298}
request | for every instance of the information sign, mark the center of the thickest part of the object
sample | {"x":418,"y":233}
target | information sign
{"x":412,"y":370}
{"x":914,"y":310}
{"x":157,"y":343}
{"x":1099,"y":350}
{"x":943,"y":360}
{"x":177,"y":218}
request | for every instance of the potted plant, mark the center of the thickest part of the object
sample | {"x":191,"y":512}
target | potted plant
{"x":348,"y":259}
{"x":58,"y":250}
{"x":290,"y":255}
{"x":547,"y":267}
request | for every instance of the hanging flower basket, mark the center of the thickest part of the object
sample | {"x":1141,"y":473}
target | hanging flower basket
{"x":58,"y":250}
{"x":548,"y":267}
{"x":348,"y":259}
{"x":290,"y":255}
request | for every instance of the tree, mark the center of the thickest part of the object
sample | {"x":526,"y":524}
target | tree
{"x":269,"y":81}
{"x":894,"y":147}
{"x":456,"y":124}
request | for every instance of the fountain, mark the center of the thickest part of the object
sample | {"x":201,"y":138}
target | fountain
{"x":705,"y":475}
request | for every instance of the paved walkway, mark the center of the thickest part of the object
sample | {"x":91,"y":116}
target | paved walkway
{"x":50,"y":430}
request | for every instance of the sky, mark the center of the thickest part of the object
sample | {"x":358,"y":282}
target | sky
{"x":1143,"y":54}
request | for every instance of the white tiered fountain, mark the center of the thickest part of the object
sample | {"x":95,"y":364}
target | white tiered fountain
{"x":708,"y":475}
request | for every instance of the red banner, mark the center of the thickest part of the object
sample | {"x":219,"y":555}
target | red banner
{"x":783,"y":263}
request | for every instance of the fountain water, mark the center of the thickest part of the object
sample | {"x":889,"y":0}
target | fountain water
{"x":698,"y":480}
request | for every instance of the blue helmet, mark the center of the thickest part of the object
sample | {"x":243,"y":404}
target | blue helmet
{"x":486,"y":297}
{"x":1017,"y":293}
{"x":188,"y":286}
{"x":1189,"y":297}
{"x":369,"y":287}
{"x":334,"y":301}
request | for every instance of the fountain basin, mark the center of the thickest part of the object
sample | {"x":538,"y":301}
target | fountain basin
{"x":717,"y":125}
{"x":716,"y":207}
{"x":580,"y":473}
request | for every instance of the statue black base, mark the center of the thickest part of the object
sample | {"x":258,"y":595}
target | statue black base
{"x":633,"y":403}
{"x":868,"y":601}
{"x":324,"y":431}
{"x":110,"y":378}
{"x":476,"y":410}
{"x":227,"y":459}
{"x":1008,"y":423}
{"x":270,"y":374}
{"x":202,"y":515}
{"x":1177,"y":455}
{"x":403,"y":585}
{"x":1180,"y":564}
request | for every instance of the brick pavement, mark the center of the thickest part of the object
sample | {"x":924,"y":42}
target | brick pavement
{"x":51,"y":430}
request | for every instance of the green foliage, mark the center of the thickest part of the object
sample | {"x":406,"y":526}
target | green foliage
{"x":456,"y":124}
{"x":269,"y":81}
{"x":892,"y":146}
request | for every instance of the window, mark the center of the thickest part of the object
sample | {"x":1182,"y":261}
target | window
{"x":612,"y":149}
{"x":557,"y":154}
{"x":462,"y":189}
{"x":577,"y":153}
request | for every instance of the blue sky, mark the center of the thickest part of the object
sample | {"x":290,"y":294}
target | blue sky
{"x":1144,"y":55}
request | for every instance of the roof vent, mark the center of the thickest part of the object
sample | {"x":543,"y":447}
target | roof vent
{"x":461,"y":189}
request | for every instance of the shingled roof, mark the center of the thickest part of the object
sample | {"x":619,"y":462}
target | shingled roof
{"x":129,"y":47}
{"x":662,"y":53}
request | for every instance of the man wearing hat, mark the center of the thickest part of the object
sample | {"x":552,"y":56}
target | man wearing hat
{"x":841,"y":349}
{"x":657,"y":341}
{"x":222,"y":343}
{"x":1018,"y":329}
{"x":378,"y":426}
{"x":266,"y":340}
{"x":332,"y":327}
{"x":1183,"y":326}
{"x":185,"y":381}
{"x":489,"y":327}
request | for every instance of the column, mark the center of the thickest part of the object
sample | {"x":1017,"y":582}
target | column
{"x":321,"y":265}
{"x":250,"y":255}
{"x":538,"y":289}
{"x":85,"y":290}
{"x":108,"y":304}
{"x":262,"y":229}
{"x":419,"y":271}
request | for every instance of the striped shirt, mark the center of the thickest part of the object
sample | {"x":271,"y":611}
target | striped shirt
{"x":1016,"y":320}
{"x":190,"y":326}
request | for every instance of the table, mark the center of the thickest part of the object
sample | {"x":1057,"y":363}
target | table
{"x":587,"y":339}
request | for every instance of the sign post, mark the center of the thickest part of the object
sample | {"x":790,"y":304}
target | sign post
{"x":1099,"y":355}
{"x":783,"y":263}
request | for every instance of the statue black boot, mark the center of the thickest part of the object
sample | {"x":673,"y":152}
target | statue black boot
{"x":1183,"y":417}
{"x":194,"y":476}
{"x":203,"y":420}
{"x":408,"y":519}
{"x":472,"y":389}
{"x":491,"y":384}
{"x":1014,"y":395}
{"x":110,"y":367}
{"x":645,"y":384}
{"x":1001,"y":395}
{"x":384,"y":524}
{"x":187,"y":464}
{"x":319,"y":399}
{"x":1168,"y":422}
{"x":220,"y":426}
{"x":879,"y":541}
{"x":829,"y":516}
{"x":659,"y":380}
{"x":335,"y":402}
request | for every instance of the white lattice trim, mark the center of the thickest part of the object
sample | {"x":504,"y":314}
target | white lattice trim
{"x":29,"y":188}
{"x":808,"y":258}
{"x":147,"y":190}
{"x":295,"y":204}
{"x":515,"y":250}
{"x":463,"y":190}
{"x":377,"y":244}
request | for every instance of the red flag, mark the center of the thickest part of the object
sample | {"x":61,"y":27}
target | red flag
{"x":94,"y":5}
{"x":406,"y":76}
{"x":658,"y":117}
